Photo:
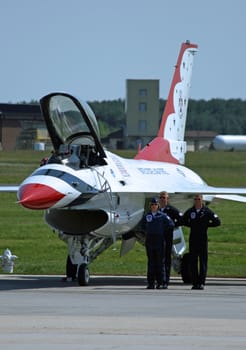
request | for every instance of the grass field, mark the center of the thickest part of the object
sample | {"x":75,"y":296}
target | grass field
{"x":39,"y":250}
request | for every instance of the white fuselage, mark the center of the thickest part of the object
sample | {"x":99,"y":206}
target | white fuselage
{"x":111,"y":198}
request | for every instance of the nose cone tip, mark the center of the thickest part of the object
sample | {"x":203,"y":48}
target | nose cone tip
{"x":38,"y":196}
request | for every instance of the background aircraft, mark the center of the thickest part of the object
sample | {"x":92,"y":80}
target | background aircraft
{"x":93,"y":197}
{"x":229,"y":143}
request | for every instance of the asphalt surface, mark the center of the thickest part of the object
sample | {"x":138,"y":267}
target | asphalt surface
{"x":41,"y":312}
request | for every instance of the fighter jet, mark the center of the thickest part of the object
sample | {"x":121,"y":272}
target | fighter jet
{"x":93,"y":197}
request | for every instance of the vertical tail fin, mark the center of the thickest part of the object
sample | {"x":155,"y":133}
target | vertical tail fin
{"x":169,"y":145}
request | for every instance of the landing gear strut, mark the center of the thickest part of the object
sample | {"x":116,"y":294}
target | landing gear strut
{"x":82,"y":250}
{"x":71,"y":269}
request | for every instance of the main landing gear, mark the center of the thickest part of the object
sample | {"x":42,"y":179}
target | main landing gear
{"x":82,"y":250}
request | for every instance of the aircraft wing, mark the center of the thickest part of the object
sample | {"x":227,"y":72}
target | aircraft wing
{"x":9,"y":188}
{"x":229,"y":193}
{"x":231,"y":197}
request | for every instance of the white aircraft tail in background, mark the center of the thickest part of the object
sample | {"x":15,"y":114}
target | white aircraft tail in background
{"x":229,"y":143}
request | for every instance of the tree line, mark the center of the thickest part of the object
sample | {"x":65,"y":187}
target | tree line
{"x":221,"y":116}
{"x":218,"y":115}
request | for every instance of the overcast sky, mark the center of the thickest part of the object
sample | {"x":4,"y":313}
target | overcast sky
{"x":90,"y":47}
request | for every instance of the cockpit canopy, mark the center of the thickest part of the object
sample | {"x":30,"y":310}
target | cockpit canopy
{"x":73,"y":128}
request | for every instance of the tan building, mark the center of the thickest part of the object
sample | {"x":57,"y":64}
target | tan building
{"x":142,"y":111}
{"x":20,"y":126}
{"x":198,"y":140}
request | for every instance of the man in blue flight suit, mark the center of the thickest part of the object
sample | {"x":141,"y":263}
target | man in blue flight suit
{"x":176,"y":216}
{"x":156,"y":224}
{"x":199,"y":218}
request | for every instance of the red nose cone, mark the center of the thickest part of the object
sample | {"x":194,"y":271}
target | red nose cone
{"x":38,"y":196}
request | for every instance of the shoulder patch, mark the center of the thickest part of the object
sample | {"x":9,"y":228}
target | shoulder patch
{"x":149,"y":218}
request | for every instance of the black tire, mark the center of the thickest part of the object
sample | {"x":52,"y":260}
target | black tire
{"x":71,"y":269}
{"x":83,"y":275}
{"x":186,"y":268}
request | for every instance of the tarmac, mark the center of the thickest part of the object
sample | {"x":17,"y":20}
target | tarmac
{"x":118,"y":312}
